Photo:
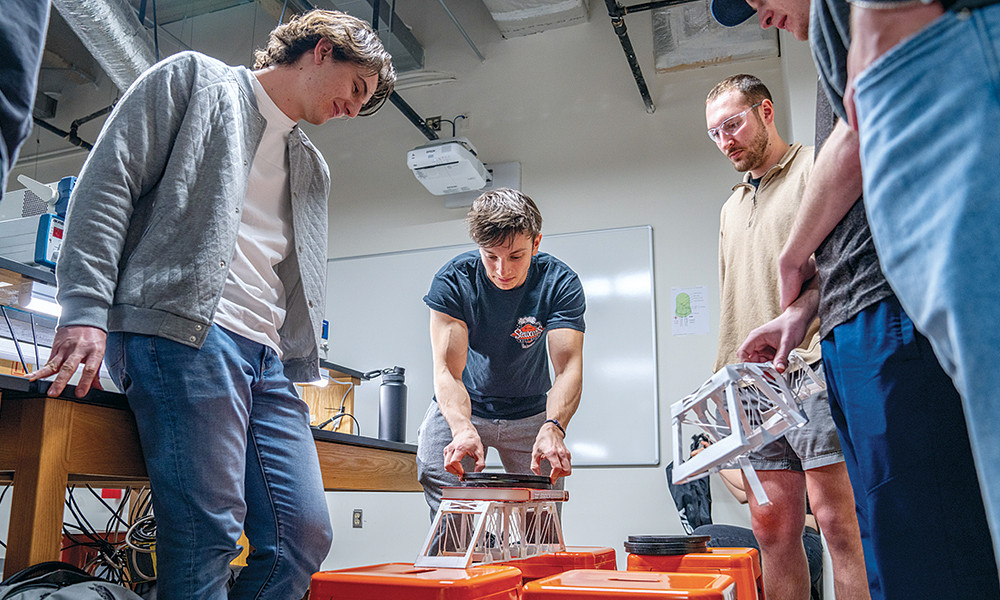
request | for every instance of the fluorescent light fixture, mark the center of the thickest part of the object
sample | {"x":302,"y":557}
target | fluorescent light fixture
{"x":39,"y":304}
{"x":31,"y":296}
{"x":43,"y":300}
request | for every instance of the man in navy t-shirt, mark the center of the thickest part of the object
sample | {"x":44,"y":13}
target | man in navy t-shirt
{"x":493,"y":313}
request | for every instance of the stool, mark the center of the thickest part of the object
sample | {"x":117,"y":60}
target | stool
{"x":553,"y":563}
{"x":584,"y":584}
{"x":742,"y":564}
{"x":403,"y":580}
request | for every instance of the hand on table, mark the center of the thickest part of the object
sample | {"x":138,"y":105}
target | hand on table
{"x":72,"y":347}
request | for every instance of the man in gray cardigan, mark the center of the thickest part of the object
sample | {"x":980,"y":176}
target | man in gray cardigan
{"x":195,"y":257}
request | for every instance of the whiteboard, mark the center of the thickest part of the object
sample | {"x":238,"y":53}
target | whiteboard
{"x":378,"y":319}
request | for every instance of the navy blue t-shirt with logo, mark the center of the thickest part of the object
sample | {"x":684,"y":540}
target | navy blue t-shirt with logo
{"x":507,"y":370}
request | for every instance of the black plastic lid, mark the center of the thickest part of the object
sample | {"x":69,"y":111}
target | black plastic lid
{"x":667,"y":545}
{"x":538,"y":482}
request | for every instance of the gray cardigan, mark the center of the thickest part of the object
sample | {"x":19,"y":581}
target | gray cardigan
{"x":154,"y":216}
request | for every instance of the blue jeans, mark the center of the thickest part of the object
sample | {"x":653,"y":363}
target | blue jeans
{"x":228,"y":449}
{"x":907,"y":450}
{"x":929,"y":152}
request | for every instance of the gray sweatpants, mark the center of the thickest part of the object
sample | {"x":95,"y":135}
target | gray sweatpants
{"x":512,"y":439}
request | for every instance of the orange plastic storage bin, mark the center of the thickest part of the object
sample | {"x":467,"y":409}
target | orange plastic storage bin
{"x":553,"y":563}
{"x":587,"y":584}
{"x":742,"y":564}
{"x":404,"y":581}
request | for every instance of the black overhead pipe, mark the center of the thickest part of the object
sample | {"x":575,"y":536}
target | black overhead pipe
{"x":75,"y":125}
{"x":617,"y":13}
{"x":70,"y":136}
{"x":395,"y":98}
{"x":626,"y":10}
{"x":412,"y":115}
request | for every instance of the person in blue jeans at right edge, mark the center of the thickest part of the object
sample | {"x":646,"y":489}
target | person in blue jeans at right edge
{"x":195,"y":254}
{"x":498,"y":314}
{"x":927,"y":92}
{"x":899,"y":416}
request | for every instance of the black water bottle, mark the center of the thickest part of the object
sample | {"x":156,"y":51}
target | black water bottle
{"x":392,"y":406}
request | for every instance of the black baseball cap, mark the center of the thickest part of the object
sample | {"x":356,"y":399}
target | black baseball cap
{"x":731,"y":12}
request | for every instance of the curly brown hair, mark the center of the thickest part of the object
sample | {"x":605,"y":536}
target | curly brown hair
{"x":498,"y":215}
{"x":354,"y":41}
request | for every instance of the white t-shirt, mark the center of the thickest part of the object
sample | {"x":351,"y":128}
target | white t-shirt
{"x":253,"y":300}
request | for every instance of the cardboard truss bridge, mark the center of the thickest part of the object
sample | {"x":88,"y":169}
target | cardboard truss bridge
{"x":478,"y":526}
{"x":741,"y":408}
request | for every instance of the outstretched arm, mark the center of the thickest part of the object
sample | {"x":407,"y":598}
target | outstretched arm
{"x":732,"y":478}
{"x":834,"y":186}
{"x":449,"y":347}
{"x":566,"y":353}
{"x":126,"y":162}
{"x":774,"y":340}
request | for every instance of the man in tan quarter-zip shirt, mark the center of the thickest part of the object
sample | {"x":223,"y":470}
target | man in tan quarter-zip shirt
{"x":755,"y":223}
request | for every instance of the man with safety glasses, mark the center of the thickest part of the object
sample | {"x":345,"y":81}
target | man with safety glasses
{"x":755,"y":224}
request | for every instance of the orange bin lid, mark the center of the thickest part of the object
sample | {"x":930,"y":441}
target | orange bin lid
{"x":403,"y":580}
{"x":716,"y":558}
{"x":574,"y":557}
{"x":742,"y":564}
{"x":583,"y":584}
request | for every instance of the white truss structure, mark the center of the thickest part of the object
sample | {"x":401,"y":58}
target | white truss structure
{"x":741,"y":408}
{"x":492,"y":525}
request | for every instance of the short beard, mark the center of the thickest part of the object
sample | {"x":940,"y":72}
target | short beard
{"x":755,"y":153}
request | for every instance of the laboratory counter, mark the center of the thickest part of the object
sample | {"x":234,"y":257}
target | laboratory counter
{"x":47,"y":444}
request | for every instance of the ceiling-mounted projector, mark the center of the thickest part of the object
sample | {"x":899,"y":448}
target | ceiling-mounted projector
{"x":448,"y":166}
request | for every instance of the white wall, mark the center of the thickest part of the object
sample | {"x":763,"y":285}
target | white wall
{"x":563,"y":103}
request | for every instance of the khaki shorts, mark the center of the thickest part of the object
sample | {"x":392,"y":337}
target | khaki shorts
{"x":811,"y":446}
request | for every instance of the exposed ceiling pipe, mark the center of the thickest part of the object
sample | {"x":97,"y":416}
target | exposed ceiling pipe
{"x":70,"y":137}
{"x":412,"y":116}
{"x":112,"y":33}
{"x":396,"y":99}
{"x":74,"y":127}
{"x":461,"y":30}
{"x":617,"y":13}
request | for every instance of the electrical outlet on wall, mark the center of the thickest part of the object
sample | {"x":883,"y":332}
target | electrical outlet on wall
{"x":356,"y":520}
